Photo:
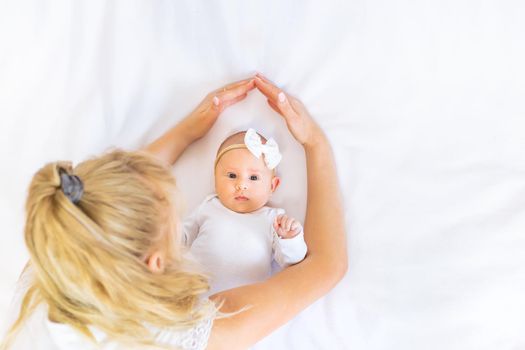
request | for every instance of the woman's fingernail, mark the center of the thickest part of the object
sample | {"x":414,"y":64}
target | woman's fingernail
{"x":281,"y":97}
{"x":216,"y":101}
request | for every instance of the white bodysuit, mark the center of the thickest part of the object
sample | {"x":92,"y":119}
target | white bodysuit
{"x":238,"y":248}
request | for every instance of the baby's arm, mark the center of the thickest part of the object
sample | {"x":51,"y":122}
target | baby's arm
{"x":190,"y":228}
{"x":289,"y":246}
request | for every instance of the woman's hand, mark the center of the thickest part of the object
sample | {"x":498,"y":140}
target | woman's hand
{"x":171,"y":144}
{"x":202,"y":118}
{"x":299,"y":122}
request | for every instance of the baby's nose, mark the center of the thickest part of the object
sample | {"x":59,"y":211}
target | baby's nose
{"x":241,"y":186}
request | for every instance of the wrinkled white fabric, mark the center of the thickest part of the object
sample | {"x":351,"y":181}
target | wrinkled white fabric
{"x":422,"y":102}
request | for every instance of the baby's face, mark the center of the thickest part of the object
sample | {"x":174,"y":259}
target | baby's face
{"x":243,"y":182}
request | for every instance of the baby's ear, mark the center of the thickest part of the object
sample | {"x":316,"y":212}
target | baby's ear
{"x":275,"y":183}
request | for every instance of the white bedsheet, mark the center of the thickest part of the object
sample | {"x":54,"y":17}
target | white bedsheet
{"x":423,"y":102}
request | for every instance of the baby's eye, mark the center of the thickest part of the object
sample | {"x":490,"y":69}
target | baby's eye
{"x":254,"y":177}
{"x":232,"y":175}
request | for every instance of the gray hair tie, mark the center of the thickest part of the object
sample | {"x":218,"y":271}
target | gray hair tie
{"x":72,"y":186}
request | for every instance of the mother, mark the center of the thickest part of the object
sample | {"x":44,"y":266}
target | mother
{"x":105,"y":262}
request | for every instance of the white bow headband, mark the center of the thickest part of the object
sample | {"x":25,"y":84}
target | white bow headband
{"x":253,"y":142}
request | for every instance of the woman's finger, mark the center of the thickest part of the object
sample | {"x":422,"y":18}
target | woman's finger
{"x":235,"y":84}
{"x":276,"y":96}
{"x":236,"y":91}
{"x":284,"y":105}
{"x":275,"y":89}
{"x":274,"y":107}
{"x":269,"y":90}
{"x":234,"y":101}
{"x":264,"y":79}
{"x":232,"y":85}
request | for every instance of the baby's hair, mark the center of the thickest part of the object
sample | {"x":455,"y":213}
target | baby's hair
{"x":87,"y":259}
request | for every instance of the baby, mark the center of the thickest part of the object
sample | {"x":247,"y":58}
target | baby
{"x":233,"y":234}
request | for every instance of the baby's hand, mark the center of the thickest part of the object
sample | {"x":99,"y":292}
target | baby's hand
{"x":286,"y":227}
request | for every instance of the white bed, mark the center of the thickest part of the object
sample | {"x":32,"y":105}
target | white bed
{"x":423,"y":102}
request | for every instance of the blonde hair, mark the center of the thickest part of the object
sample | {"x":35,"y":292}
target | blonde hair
{"x":88,"y":258}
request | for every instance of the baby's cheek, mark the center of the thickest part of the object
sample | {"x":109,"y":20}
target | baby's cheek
{"x":265,"y":194}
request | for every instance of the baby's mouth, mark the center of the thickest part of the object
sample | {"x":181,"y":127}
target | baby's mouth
{"x":241,"y":198}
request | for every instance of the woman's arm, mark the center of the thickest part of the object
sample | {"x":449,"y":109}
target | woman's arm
{"x":275,"y":301}
{"x":172,"y":144}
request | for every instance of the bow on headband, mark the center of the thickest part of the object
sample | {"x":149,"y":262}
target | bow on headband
{"x":270,"y":149}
